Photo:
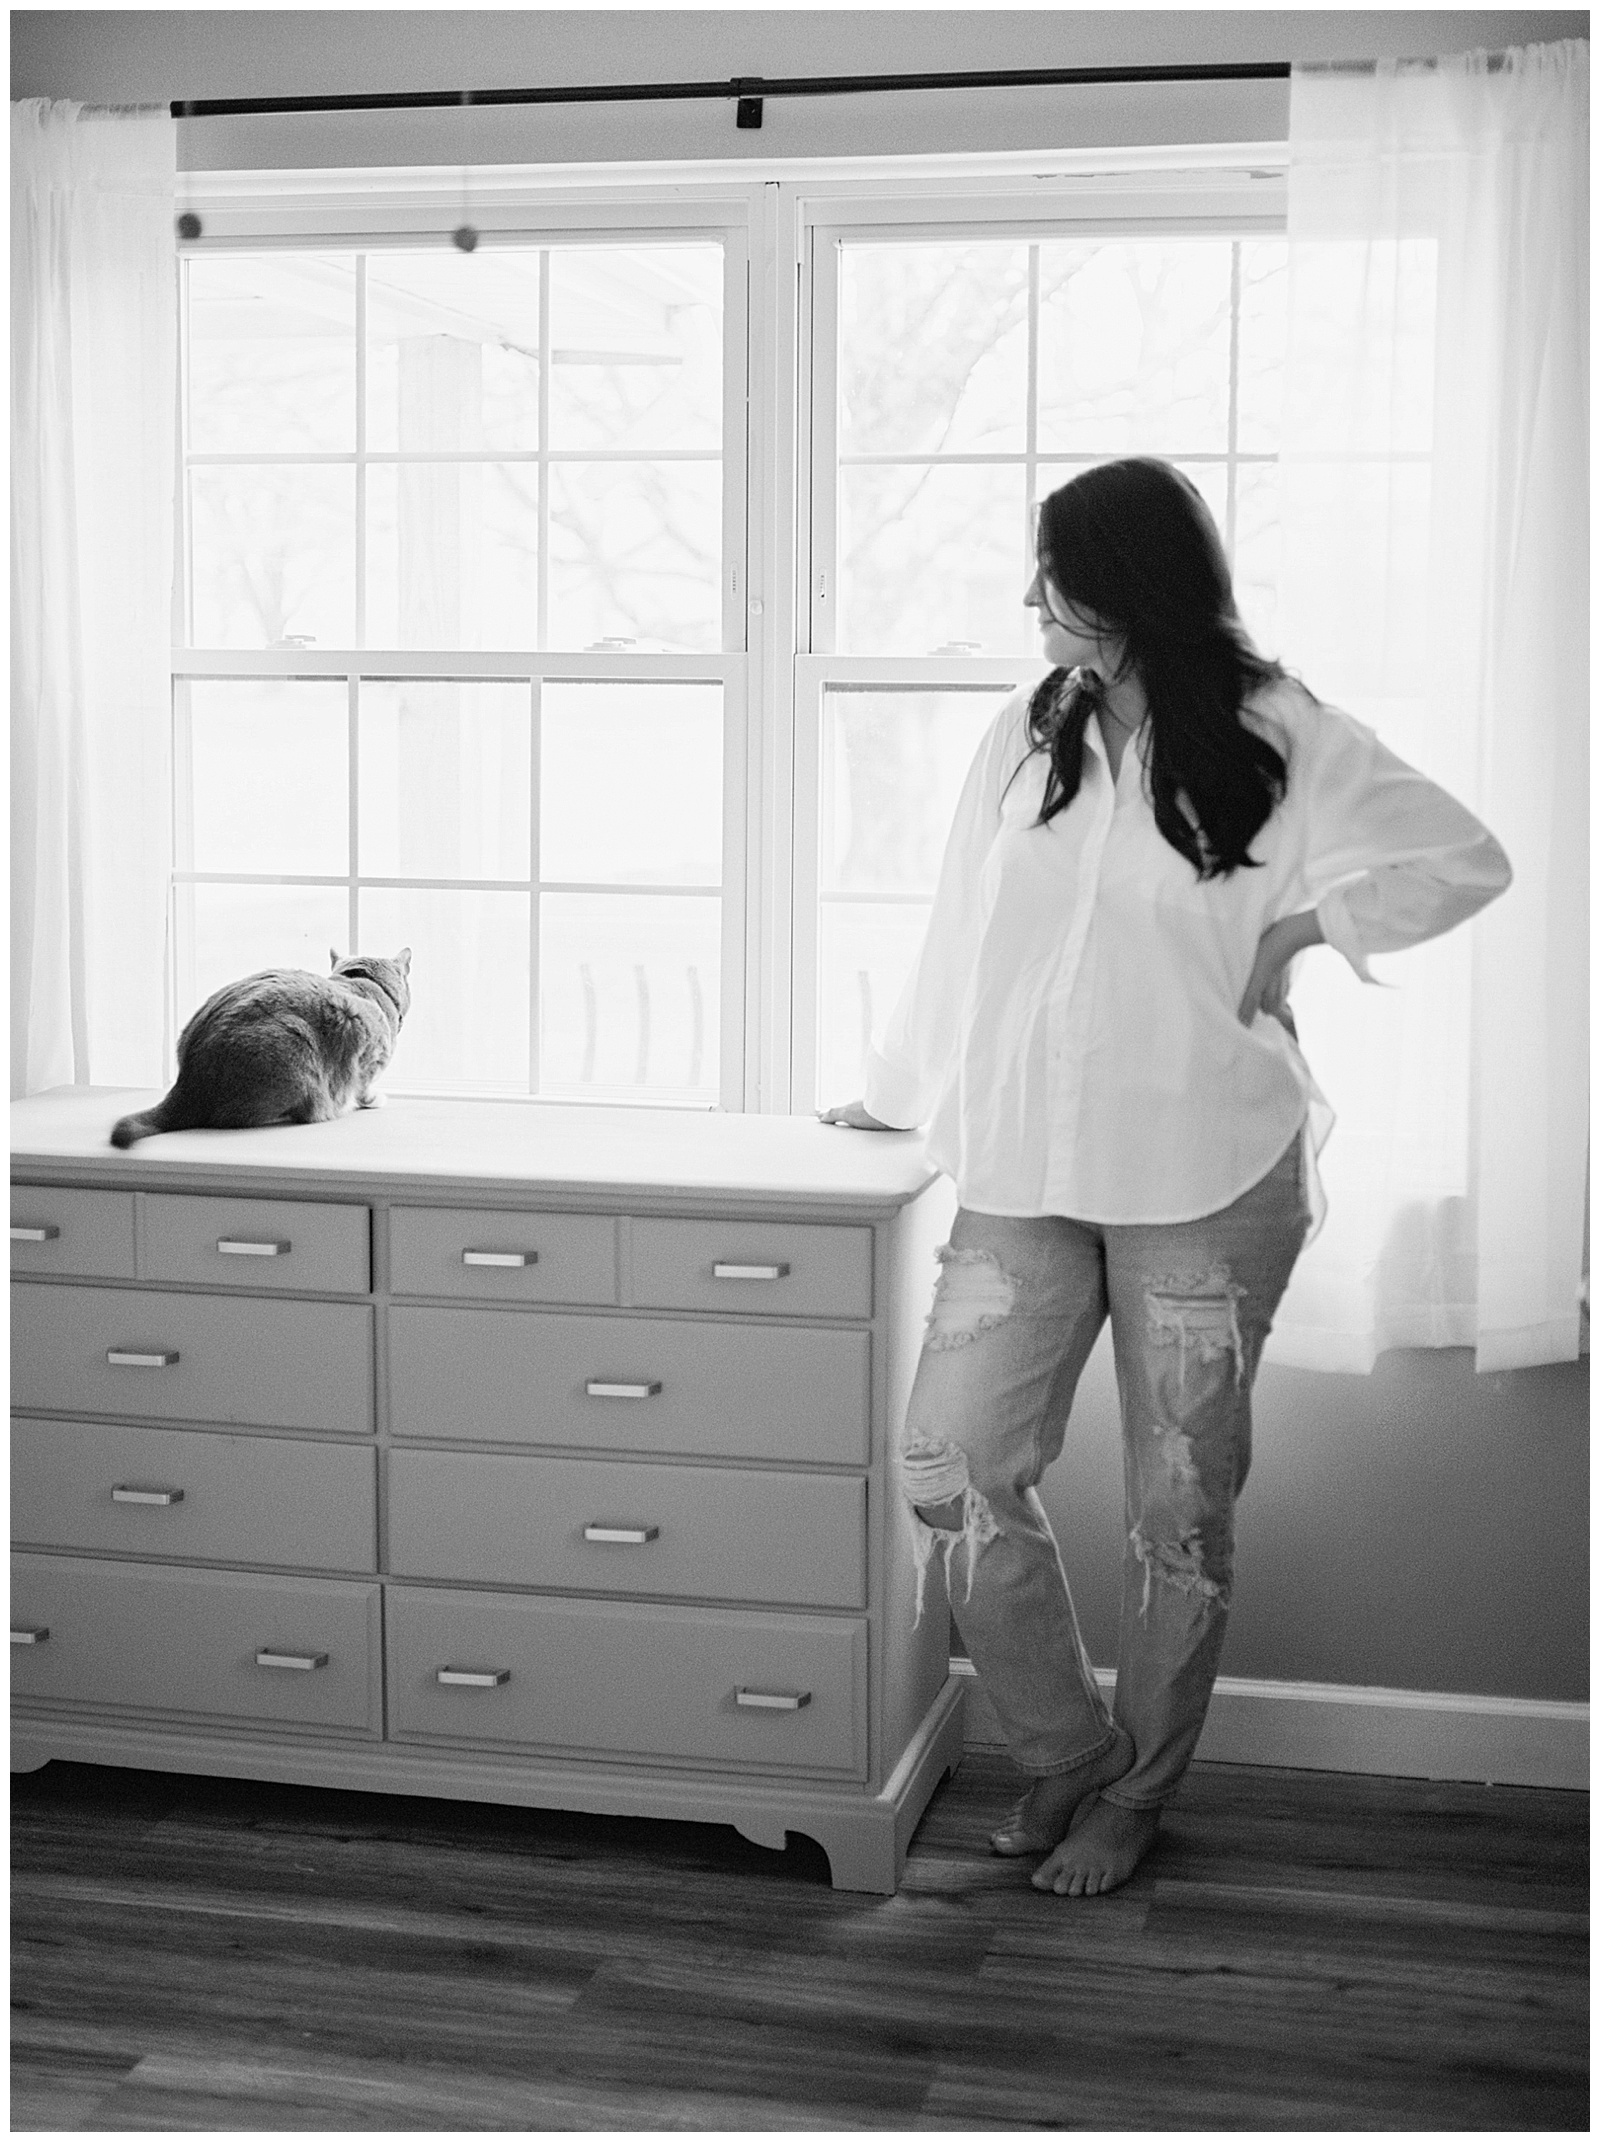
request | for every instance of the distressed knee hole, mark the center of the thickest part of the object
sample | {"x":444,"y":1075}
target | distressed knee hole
{"x":1199,"y":1311}
{"x":1180,"y":1561}
{"x":973,"y":1295}
{"x":949,"y":1511}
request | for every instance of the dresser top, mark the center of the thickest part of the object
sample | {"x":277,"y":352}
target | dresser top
{"x":533,"y":1148}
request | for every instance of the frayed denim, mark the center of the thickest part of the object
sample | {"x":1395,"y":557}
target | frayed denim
{"x":1017,"y":1310}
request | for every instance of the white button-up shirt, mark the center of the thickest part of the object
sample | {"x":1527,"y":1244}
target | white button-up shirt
{"x":1069,"y":1032}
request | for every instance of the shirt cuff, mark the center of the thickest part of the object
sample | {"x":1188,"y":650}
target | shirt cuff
{"x":891,"y":1095}
{"x":1339,"y":931}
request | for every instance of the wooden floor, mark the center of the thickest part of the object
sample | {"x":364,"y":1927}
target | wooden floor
{"x":1302,"y":1950}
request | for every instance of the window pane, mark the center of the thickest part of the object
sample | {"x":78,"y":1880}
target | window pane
{"x":270,"y":777}
{"x":274,"y":556}
{"x":272,"y":354}
{"x":1257,"y":553}
{"x":1263,"y":318}
{"x":932,"y":557}
{"x":631,"y":784}
{"x":1133,"y":347}
{"x":467,"y":1030}
{"x":445,"y":779}
{"x":636,"y":554}
{"x":453,"y":351}
{"x":892,"y":768}
{"x":933,"y":344}
{"x":239,"y":929}
{"x":864,"y":953}
{"x":636,"y":347}
{"x":630,"y":997}
{"x":453,"y":554}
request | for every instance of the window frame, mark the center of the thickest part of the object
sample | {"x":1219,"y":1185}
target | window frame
{"x":773,"y":672}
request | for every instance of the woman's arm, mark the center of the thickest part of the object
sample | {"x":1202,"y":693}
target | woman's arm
{"x":1390,"y":858}
{"x":1267,"y":988}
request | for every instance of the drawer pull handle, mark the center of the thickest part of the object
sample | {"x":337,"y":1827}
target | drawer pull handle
{"x":29,"y":1636}
{"x":296,"y":1661}
{"x":623,"y":1535}
{"x":511,"y":1259}
{"x":125,"y":1357}
{"x":31,"y":1231}
{"x":232,"y":1246}
{"x":772,"y":1699}
{"x":466,"y":1677}
{"x":596,"y":1388}
{"x":162,"y":1495}
{"x":749,"y":1271}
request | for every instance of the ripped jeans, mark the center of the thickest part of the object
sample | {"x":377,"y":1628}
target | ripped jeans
{"x":1018,"y":1308}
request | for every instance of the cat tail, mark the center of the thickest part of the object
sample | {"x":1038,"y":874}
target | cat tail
{"x":165,"y":1116}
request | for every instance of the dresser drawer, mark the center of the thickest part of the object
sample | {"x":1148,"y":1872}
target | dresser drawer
{"x":717,"y":1390}
{"x":192,"y":1640}
{"x":197,"y":1357}
{"x":181,"y":1493}
{"x":754,"y":1269}
{"x":502,"y":1256}
{"x":257,"y":1242}
{"x":592,"y":1525}
{"x":612,"y":1678}
{"x":77,"y":1231}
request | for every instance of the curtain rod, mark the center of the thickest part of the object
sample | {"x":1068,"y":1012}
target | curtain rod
{"x":749,"y":90}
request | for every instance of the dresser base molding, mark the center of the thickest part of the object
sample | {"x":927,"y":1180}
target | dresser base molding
{"x":865,"y":1838}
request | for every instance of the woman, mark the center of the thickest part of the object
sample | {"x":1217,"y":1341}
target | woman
{"x":1096,"y":1035}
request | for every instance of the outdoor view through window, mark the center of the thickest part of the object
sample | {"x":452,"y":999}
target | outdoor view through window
{"x":463,"y":638}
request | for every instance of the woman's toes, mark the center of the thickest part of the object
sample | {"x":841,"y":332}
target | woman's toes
{"x":1100,"y":1852}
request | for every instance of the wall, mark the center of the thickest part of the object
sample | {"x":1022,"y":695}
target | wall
{"x":1419,"y":1528}
{"x":1422,"y":1527}
{"x":154,"y":56}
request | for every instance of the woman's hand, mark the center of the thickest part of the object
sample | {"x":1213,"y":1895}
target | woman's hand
{"x":1268,"y":987}
{"x":853,"y":1117}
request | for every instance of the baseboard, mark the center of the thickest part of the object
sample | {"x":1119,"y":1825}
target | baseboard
{"x":1389,"y":1732}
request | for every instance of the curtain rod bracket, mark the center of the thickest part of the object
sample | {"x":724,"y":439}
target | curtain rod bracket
{"x":747,"y":112}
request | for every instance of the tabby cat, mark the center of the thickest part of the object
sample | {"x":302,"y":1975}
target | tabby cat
{"x":283,"y":1046}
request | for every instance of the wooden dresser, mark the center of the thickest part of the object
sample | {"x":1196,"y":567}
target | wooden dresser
{"x":491,"y":1450}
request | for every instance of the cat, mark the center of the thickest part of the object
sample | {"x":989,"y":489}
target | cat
{"x":283,"y":1046}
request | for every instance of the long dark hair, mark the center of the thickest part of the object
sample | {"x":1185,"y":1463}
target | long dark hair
{"x":1132,"y":545}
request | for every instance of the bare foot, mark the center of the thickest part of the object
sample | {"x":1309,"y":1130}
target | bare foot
{"x":1042,"y":1816}
{"x":1101,"y":1851}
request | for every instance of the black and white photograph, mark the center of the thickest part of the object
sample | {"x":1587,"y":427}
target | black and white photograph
{"x":800,"y":1158}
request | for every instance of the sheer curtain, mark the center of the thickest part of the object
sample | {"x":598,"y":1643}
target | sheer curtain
{"x":93,"y":399}
{"x":1435,"y":584}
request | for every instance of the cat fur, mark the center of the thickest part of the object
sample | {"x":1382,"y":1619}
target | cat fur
{"x":283,"y":1046}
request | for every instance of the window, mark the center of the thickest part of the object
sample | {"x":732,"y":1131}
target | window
{"x":611,"y":613}
{"x":960,"y":374}
{"x":462,"y":647}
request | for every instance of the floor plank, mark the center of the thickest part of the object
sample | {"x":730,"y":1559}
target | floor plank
{"x":1300,"y":1950}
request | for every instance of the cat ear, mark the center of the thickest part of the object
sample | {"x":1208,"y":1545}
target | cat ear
{"x":333,"y":957}
{"x":402,"y":959}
